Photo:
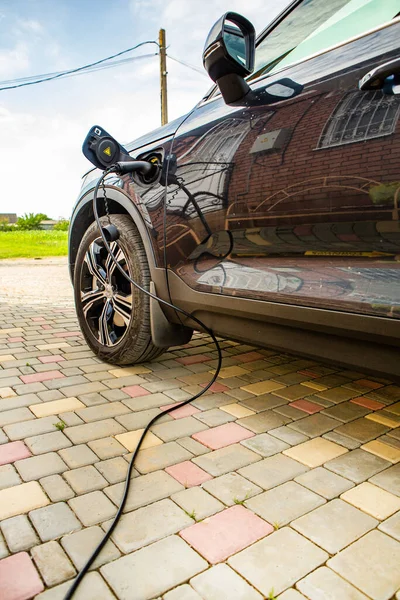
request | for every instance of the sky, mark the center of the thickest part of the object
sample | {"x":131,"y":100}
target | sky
{"x":42,"y":127}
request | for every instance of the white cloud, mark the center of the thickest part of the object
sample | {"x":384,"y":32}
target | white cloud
{"x":14,"y":61}
{"x":31,"y":25}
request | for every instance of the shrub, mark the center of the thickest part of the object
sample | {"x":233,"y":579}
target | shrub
{"x":30,"y":221}
{"x":61,"y":225}
{"x":5,"y":225}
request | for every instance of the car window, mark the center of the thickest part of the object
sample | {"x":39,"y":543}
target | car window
{"x":315,"y":25}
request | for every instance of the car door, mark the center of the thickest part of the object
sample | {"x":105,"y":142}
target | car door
{"x":296,"y":200}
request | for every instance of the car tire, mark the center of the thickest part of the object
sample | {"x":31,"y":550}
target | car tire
{"x":114,"y":318}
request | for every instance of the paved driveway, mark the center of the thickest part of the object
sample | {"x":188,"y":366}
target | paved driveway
{"x":284,"y":481}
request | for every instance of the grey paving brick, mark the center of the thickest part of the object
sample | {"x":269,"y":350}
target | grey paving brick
{"x":231,"y":488}
{"x":3,"y":548}
{"x":145,"y":489}
{"x":139,"y":420}
{"x":85,"y":479}
{"x":103,"y":411}
{"x":389,"y":479}
{"x":113,"y":469}
{"x":222,"y":583}
{"x":214,"y":417}
{"x":193,"y":446}
{"x":273,"y":471}
{"x":15,"y":416}
{"x":35,"y":467}
{"x":30,"y":388}
{"x":93,"y":431}
{"x":258,"y":564}
{"x":343,"y":440}
{"x":152,"y":571}
{"x":289,"y":436}
{"x":265,"y":444}
{"x":212,"y":401}
{"x":357,"y":564}
{"x":289,"y":412}
{"x":53,"y":521}
{"x":178,"y":428}
{"x":78,"y":456}
{"x":49,"y":395}
{"x":357,"y":465}
{"x":107,"y":448}
{"x":346,"y":411}
{"x":19,"y":533}
{"x":146,"y":525}
{"x":47,"y":442}
{"x":8,"y":477}
{"x":292,"y":594}
{"x":362,"y":430}
{"x":159,"y":457}
{"x":20,"y":431}
{"x":3,"y":438}
{"x":324,"y":583}
{"x":315,"y":425}
{"x":226,"y":459}
{"x":197,"y":503}
{"x":56,"y":488}
{"x":392,"y":526}
{"x":146,"y":402}
{"x":52,"y":563}
{"x":92,"y":587}
{"x":91,"y":400}
{"x":324,"y":482}
{"x":182,"y":592}
{"x":67,"y":382}
{"x":80,"y":545}
{"x":349,"y":525}
{"x":70,"y":418}
{"x":92,"y":508}
{"x":12,"y":402}
{"x":113,"y":395}
{"x":263,"y":421}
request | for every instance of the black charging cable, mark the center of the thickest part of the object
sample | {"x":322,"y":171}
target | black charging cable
{"x":120,"y":168}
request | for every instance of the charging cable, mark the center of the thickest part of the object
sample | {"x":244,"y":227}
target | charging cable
{"x":121,"y":168}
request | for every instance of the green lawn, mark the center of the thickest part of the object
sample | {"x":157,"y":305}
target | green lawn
{"x":33,"y":244}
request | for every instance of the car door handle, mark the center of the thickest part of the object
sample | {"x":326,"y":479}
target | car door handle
{"x":375,"y":79}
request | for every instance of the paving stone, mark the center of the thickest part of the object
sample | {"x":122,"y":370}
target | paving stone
{"x":265,"y":444}
{"x":139,"y":420}
{"x":21,"y":499}
{"x":224,"y":435}
{"x":262,"y":387}
{"x":343,"y":440}
{"x":284,"y":503}
{"x":104,"y":411}
{"x":141,"y":401}
{"x":338,"y":394}
{"x":13,"y":451}
{"x":19,"y":533}
{"x":346,"y":411}
{"x":92,"y":508}
{"x":324,"y":482}
{"x":273,"y":471}
{"x":182,"y":592}
{"x":288,"y":436}
{"x":192,"y":446}
{"x":35,"y":467}
{"x":78,"y":456}
{"x":315,"y":425}
{"x":357,"y":465}
{"x":297,"y":558}
{"x":226,"y":459}
{"x":85,"y":479}
{"x":56,"y":488}
{"x":107,"y":448}
{"x":212,"y":401}
{"x":47,"y":442}
{"x":263,"y":421}
{"x":15,"y":416}
{"x":324,"y":583}
{"x":15,"y":587}
{"x":389,"y":480}
{"x":8,"y":477}
{"x":315,"y":452}
{"x":80,"y":545}
{"x":45,"y":409}
{"x":231,"y":488}
{"x":306,"y":406}
{"x":70,"y":419}
{"x":159,"y":457}
{"x":113,"y":469}
{"x":91,"y":588}
{"x":383,"y":450}
{"x":20,"y":431}
{"x":82,"y":434}
{"x":363,"y":430}
{"x":237,"y":410}
{"x":213,"y":417}
{"x":52,"y":563}
{"x":145,"y":490}
{"x":152,"y":571}
{"x":226,"y":533}
{"x":392,"y":526}
{"x":261,"y":403}
{"x":373,"y":500}
{"x":385,"y":419}
{"x":179,"y":428}
{"x":188,"y":474}
{"x":222,"y":583}
{"x":54,"y":521}
{"x":3,"y":548}
{"x":131,"y":439}
{"x":197,"y":503}
{"x":291,"y":595}
{"x":357,"y":564}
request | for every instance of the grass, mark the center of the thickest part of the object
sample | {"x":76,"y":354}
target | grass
{"x":33,"y":244}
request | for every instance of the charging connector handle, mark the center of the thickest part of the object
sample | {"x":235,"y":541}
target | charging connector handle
{"x":123,"y":167}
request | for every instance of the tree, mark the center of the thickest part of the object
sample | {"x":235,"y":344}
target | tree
{"x":31,"y":221}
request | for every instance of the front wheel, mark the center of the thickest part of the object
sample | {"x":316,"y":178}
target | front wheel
{"x":113,"y":315}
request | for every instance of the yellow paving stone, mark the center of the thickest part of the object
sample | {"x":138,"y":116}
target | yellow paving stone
{"x":234,"y":371}
{"x":395,"y":408}
{"x":53,"y":346}
{"x":6,"y":358}
{"x":262,"y":387}
{"x":8,"y":331}
{"x":372,"y":500}
{"x":237,"y":410}
{"x":129,"y":371}
{"x":314,"y":385}
{"x":383,"y":451}
{"x":315,"y":452}
{"x":131,"y":439}
{"x":7,"y":392}
{"x":56,"y":407}
{"x":21,"y":499}
{"x":378,"y":418}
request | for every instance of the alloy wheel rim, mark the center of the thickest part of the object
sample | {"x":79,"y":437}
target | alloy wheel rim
{"x":105,"y":294}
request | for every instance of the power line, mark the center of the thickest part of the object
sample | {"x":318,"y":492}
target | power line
{"x":52,"y":76}
{"x":189,"y":66}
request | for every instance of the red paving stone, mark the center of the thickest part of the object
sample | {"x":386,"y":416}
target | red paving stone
{"x":226,"y":533}
{"x":134,"y":391}
{"x":67,"y":334}
{"x":193,"y":360}
{"x":306,"y":406}
{"x":249,"y":357}
{"x":223,"y":435}
{"x":188,"y":474}
{"x":11,"y":340}
{"x":216,"y":387}
{"x":38,"y":319}
{"x":47,"y":327}
{"x":11,"y":452}
{"x":373,"y":385}
{"x":367,"y":403}
{"x":51,"y":359}
{"x":44,"y":376}
{"x":307,"y":373}
{"x":180,"y":413}
{"x":19,"y":579}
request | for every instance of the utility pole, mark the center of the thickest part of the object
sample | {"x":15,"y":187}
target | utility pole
{"x":163,"y":77}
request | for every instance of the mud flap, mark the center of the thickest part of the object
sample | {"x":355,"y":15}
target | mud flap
{"x":164,"y":333}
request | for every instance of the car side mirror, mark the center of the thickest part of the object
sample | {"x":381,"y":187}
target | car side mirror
{"x":228,"y":55}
